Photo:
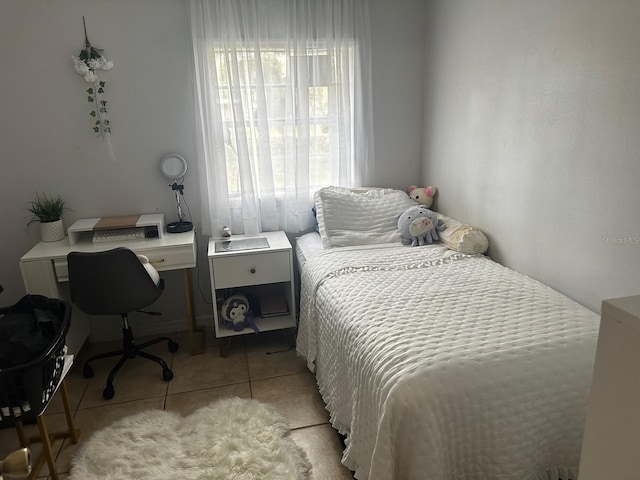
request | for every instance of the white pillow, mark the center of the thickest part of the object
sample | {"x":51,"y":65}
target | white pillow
{"x":359,"y":216}
{"x":462,"y":237}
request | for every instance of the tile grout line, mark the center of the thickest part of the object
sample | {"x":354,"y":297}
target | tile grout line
{"x":252,"y":357}
{"x":310,"y":426}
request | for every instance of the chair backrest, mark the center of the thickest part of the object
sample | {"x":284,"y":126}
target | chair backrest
{"x":113,"y":282}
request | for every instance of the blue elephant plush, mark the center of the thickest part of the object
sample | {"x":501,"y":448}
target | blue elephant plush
{"x":418,"y":226}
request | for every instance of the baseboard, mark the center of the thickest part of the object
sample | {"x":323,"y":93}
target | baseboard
{"x":147,"y":329}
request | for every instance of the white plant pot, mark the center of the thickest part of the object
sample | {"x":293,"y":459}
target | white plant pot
{"x":52,"y":231}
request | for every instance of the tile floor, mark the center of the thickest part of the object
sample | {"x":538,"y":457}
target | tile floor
{"x":258,"y":366}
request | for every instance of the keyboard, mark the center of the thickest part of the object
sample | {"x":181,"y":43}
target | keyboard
{"x":118,"y":235}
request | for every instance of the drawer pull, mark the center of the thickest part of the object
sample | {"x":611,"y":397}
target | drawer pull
{"x":253,"y":270}
{"x":157,"y":261}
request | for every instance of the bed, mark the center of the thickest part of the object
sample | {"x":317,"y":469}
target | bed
{"x":436,"y":363}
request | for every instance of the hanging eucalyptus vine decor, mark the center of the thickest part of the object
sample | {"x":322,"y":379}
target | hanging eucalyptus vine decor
{"x":86,"y":64}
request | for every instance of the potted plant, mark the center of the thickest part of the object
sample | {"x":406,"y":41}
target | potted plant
{"x":48,"y":212}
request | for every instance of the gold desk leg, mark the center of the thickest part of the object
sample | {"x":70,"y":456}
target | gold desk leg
{"x":196,"y":335}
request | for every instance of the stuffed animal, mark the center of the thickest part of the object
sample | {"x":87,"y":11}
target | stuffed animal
{"x":153,"y":273}
{"x":422,"y":196}
{"x":418,"y":225}
{"x":235,"y":312}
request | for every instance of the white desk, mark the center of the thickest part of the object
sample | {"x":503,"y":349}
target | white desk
{"x":44,"y":268}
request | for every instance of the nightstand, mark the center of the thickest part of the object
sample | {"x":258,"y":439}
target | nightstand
{"x":260,"y":267}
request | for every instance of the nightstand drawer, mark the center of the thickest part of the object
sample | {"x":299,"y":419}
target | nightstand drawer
{"x":254,"y":269}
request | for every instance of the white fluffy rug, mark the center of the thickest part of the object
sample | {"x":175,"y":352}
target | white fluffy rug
{"x":232,"y":438}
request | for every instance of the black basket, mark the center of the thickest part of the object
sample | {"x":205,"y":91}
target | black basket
{"x":25,"y":390}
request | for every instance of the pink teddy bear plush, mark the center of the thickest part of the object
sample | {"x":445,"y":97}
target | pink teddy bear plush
{"x":422,"y":196}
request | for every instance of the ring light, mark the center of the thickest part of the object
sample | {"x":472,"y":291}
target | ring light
{"x":174,"y":167}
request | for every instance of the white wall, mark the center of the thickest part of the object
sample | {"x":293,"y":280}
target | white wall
{"x":397,"y":43}
{"x":47,"y":146}
{"x":45,"y":136}
{"x":532,"y":124}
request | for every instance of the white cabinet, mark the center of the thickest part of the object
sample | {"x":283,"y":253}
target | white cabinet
{"x":612,"y":431}
{"x":259,"y":267}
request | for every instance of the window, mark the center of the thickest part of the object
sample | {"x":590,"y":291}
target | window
{"x":281,"y":105}
{"x":316,"y":120}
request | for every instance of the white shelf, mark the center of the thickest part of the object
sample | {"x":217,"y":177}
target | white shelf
{"x":612,"y":427}
{"x":264,"y":325}
{"x":84,"y":225}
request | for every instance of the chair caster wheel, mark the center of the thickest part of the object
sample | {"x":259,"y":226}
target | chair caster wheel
{"x":167,"y":375}
{"x":173,"y":346}
{"x":108,"y":393}
{"x":87,"y":371}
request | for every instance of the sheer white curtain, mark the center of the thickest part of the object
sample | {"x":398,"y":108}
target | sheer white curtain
{"x":283,"y":93}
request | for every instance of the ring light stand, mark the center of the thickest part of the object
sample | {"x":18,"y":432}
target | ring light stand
{"x":174,"y":167}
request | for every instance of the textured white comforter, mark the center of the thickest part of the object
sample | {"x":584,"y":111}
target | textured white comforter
{"x":439,"y":365}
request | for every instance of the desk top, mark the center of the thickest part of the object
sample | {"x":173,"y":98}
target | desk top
{"x":60,"y":249}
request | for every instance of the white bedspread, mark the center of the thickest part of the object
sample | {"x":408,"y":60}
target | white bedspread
{"x":439,"y":365}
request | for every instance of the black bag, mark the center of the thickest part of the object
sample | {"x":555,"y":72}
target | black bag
{"x":29,"y":328}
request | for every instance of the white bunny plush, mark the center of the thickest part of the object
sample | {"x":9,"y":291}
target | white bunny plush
{"x":422,"y":195}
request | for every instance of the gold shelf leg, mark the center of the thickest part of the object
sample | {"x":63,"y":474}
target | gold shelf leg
{"x":74,"y":433}
{"x":47,"y":451}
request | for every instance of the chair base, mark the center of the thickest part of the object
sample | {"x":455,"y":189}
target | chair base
{"x":130,"y":350}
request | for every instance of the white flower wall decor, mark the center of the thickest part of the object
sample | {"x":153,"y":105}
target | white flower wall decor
{"x":87,"y":63}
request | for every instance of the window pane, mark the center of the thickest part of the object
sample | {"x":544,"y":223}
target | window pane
{"x":284,"y":74}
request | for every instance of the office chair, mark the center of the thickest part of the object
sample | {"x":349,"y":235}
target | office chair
{"x":115,"y":282}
